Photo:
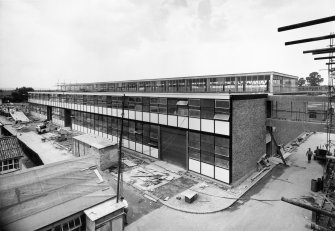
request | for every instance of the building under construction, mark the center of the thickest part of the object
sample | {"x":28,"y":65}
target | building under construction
{"x":211,"y":125}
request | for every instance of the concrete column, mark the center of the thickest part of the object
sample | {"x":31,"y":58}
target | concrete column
{"x":159,"y":141}
{"x":207,"y":85}
{"x":271,"y":83}
{"x":236,"y":85}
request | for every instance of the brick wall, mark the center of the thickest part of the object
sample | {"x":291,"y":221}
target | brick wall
{"x":248,"y":136}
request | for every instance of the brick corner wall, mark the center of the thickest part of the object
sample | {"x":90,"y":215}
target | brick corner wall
{"x":248,"y":135}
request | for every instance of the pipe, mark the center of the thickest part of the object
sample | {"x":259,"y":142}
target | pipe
{"x":309,"y":207}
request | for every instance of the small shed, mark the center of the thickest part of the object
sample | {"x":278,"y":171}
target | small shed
{"x":105,"y":150}
{"x":106,"y":216}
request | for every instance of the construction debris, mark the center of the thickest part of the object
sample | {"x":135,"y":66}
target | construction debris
{"x":150,"y":197}
{"x":129,"y":163}
{"x":148,"y":177}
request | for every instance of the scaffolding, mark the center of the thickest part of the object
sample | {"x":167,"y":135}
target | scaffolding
{"x":324,"y":215}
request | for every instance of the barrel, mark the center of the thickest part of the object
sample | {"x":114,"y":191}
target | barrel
{"x":314,"y":185}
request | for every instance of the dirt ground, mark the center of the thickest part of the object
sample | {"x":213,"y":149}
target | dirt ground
{"x":138,"y":204}
{"x":174,"y":187}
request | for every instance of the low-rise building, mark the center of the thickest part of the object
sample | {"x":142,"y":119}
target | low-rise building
{"x":11,"y":154}
{"x":55,"y":197}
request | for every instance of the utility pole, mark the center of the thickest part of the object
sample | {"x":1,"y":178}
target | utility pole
{"x":119,"y":175}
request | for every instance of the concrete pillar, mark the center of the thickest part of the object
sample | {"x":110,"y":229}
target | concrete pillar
{"x":271,"y":83}
{"x":236,"y":85}
{"x":207,"y":85}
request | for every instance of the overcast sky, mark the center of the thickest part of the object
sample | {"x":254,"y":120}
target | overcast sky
{"x":43,"y":42}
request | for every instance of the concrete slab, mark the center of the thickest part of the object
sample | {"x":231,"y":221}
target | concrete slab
{"x":19,"y":116}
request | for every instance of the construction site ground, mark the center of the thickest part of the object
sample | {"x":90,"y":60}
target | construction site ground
{"x":44,"y":145}
{"x":154,"y":190}
{"x":258,"y":208}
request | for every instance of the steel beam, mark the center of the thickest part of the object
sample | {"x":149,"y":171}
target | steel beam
{"x":323,"y":50}
{"x":330,"y":63}
{"x":310,"y":39}
{"x":308,"y":23}
{"x":328,"y":57}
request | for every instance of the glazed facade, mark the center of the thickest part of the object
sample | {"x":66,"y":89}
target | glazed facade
{"x":271,"y":82}
{"x":196,"y":131}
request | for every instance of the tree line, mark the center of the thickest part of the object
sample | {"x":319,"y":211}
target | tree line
{"x":18,"y":95}
{"x":314,"y":79}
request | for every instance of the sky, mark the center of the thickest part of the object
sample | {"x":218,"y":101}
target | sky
{"x":45,"y":42}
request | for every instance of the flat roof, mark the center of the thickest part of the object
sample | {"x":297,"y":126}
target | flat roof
{"x":52,"y":192}
{"x":187,"y":77}
{"x":103,"y":209}
{"x":197,"y":95}
{"x":95,"y":141}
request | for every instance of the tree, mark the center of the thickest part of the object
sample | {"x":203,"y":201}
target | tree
{"x":301,"y":82}
{"x":314,"y":79}
{"x":21,"y":94}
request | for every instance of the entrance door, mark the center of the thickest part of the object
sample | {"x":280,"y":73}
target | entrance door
{"x":173,"y":146}
{"x":67,"y":118}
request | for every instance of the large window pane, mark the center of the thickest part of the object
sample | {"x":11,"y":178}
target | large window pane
{"x":207,"y":157}
{"x":222,"y":161}
{"x":222,"y":141}
{"x":154,"y":136}
{"x":146,"y":134}
{"x":194,"y":153}
{"x":207,"y":108}
{"x":146,"y":104}
{"x":132,"y":130}
{"x":172,"y":106}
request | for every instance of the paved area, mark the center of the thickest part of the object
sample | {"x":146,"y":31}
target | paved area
{"x":213,"y":198}
{"x":258,"y":209}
